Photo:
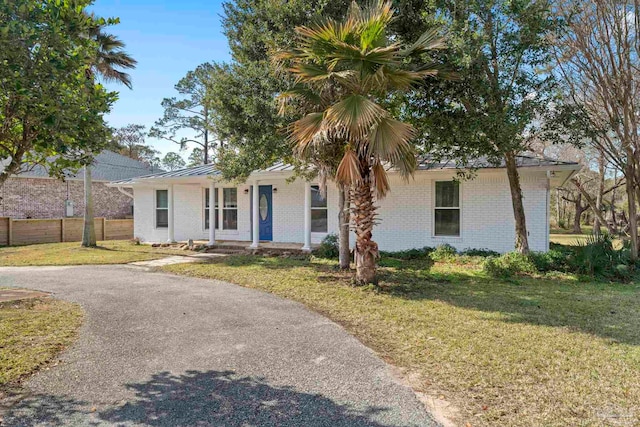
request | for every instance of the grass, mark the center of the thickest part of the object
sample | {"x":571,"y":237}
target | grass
{"x":32,"y":333}
{"x":107,"y":252}
{"x":549,"y":350}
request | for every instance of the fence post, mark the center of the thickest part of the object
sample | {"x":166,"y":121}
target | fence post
{"x":62,"y":230}
{"x":104,"y":228}
{"x":10,"y":233}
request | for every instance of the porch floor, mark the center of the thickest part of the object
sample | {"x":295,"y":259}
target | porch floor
{"x":241,"y":244}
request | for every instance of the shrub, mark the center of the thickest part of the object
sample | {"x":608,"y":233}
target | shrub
{"x":508,"y":265}
{"x":329,"y":247}
{"x":444,"y":252}
{"x":553,"y":260}
{"x":479,"y":252}
{"x":409,"y":254}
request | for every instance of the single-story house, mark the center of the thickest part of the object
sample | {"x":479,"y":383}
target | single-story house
{"x":32,"y":193}
{"x":432,"y":208}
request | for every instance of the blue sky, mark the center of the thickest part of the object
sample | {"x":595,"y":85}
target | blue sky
{"x":167,"y":38}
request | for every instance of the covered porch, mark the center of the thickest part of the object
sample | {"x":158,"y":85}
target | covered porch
{"x":269,"y":211}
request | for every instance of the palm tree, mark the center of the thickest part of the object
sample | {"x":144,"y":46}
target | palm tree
{"x":344,"y":69}
{"x":108,"y":63}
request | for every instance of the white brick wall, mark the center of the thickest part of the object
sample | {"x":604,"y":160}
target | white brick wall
{"x":405,"y":215}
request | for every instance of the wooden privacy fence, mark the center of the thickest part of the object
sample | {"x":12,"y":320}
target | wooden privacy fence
{"x":31,"y":231}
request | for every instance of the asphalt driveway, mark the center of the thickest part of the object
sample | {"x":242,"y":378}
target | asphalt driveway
{"x":164,"y":350}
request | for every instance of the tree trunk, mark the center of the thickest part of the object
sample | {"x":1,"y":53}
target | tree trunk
{"x":522,"y":242}
{"x":88,"y":232}
{"x":366,"y":253}
{"x":577,"y":228}
{"x":601,"y":172}
{"x":206,"y":136}
{"x":614,"y":219}
{"x":343,"y":221}
{"x":590,"y":202}
{"x":633,"y":218}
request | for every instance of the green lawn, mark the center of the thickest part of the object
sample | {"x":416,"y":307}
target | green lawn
{"x":569,"y":239}
{"x":108,"y":252}
{"x":549,"y":351}
{"x":32,"y":333}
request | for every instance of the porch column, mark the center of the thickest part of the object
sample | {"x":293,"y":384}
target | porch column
{"x":170,"y":235}
{"x":212,"y":213}
{"x":255,"y":214}
{"x":307,"y":217}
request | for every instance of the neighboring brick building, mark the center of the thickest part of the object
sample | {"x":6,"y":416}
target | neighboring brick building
{"x":33,"y":194}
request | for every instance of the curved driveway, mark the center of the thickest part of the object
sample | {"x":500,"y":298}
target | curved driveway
{"x":164,"y":350}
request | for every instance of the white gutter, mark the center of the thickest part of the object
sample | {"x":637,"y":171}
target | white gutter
{"x":123,"y":191}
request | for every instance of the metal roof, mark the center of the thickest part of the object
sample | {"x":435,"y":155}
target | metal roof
{"x":107,"y":166}
{"x":424,"y":163}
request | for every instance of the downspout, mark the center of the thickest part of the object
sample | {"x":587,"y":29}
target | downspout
{"x":125,"y":192}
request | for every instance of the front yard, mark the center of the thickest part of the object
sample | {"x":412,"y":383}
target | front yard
{"x":107,"y":252}
{"x":32,"y":333}
{"x":534,"y":351}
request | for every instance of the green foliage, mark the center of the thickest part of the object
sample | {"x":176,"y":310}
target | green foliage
{"x":129,"y":141}
{"x":329,"y":247}
{"x":196,"y":158}
{"x":479,"y":252}
{"x":51,"y":113}
{"x":508,"y":265}
{"x":173,"y":161}
{"x":409,"y":254}
{"x":595,"y":257}
{"x":553,"y":260}
{"x":443,"y":253}
{"x":246,"y":118}
{"x":497,"y":48}
{"x":190,"y":111}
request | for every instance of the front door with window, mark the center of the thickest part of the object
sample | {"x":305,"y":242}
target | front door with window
{"x":265,"y":212}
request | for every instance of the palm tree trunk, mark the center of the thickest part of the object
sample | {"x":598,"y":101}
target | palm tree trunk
{"x":88,"y":232}
{"x":364,"y":211}
{"x":343,"y":221}
{"x":522,"y":242}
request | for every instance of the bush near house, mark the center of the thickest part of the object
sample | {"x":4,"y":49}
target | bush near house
{"x":594,"y":256}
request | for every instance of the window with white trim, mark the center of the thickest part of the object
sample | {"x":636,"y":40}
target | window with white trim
{"x":229,"y":208}
{"x":318,"y":211}
{"x":162,"y":208}
{"x":207,"y":207}
{"x":447,"y":208}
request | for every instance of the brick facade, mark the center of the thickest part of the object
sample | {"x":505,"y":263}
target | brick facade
{"x":45,"y":198}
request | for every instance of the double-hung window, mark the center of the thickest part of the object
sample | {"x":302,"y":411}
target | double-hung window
{"x":318,"y":211}
{"x":207,"y":206}
{"x":447,"y":208}
{"x":162,"y":208}
{"x":230,"y":208}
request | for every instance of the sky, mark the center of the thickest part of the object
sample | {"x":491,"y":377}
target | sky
{"x":168,"y":38}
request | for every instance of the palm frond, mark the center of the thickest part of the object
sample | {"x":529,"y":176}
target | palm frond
{"x":303,"y":131}
{"x":348,"y":171}
{"x":381,"y":180}
{"x":300,"y":93}
{"x":357,"y":113}
{"x":389,"y":140}
{"x":432,"y":39}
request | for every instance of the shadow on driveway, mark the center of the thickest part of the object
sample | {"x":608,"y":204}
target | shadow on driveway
{"x":196,"y":398}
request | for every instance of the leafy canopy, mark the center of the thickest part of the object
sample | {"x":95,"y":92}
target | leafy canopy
{"x":343,"y":70}
{"x":50,"y":112}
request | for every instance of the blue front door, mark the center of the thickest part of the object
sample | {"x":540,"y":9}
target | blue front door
{"x":265,"y":212}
